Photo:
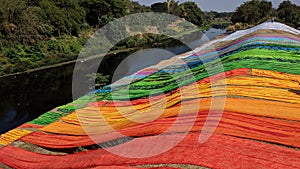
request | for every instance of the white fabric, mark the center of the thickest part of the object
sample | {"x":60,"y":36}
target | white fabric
{"x":241,"y":33}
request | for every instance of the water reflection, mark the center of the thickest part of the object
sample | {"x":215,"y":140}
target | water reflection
{"x":148,"y":57}
{"x":26,"y":96}
{"x":8,"y":113}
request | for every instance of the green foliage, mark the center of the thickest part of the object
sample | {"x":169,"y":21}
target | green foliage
{"x":10,"y":53}
{"x":99,"y":79}
{"x":18,"y":23}
{"x":161,"y":7}
{"x":219,"y":20}
{"x":43,"y":53}
{"x":188,"y":10}
{"x":289,"y":13}
{"x":100,"y":12}
{"x":135,"y":7}
{"x":26,"y":22}
{"x":252,"y":11}
{"x":94,"y":10}
{"x":258,"y":11}
{"x":213,"y":14}
{"x":64,"y":16}
{"x":170,"y":6}
{"x":192,"y":13}
{"x":35,"y":33}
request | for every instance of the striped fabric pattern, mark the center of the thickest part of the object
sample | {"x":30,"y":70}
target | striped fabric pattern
{"x":259,"y":124}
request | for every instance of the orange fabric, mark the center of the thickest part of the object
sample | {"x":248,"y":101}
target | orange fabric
{"x":273,"y":74}
{"x":234,"y":124}
{"x":244,"y":106}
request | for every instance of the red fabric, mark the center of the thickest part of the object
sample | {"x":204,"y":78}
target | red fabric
{"x":219,"y":151}
{"x":247,"y":126}
{"x":146,"y":72}
{"x":124,"y":167}
{"x":114,"y":167}
{"x":26,"y":125}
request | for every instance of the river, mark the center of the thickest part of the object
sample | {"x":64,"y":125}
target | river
{"x":25,"y":97}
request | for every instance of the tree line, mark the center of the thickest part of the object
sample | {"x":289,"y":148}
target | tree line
{"x":257,"y":11}
{"x":35,"y":33}
{"x":27,"y":21}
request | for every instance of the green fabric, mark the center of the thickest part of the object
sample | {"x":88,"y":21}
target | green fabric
{"x":275,"y":60}
{"x":47,"y":118}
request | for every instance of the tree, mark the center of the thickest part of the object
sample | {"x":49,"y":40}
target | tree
{"x":100,"y":12}
{"x":252,"y":11}
{"x":64,"y":16}
{"x":265,"y":8}
{"x":192,"y":13}
{"x":171,"y":7}
{"x":160,"y":7}
{"x":135,"y":7}
{"x":19,"y":22}
{"x":28,"y":21}
{"x":188,"y":10}
{"x":289,"y":13}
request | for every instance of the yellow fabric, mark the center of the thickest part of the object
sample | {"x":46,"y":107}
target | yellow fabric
{"x":12,"y":136}
{"x":265,"y":108}
{"x":253,"y":87}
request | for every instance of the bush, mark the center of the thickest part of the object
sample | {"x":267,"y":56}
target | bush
{"x":10,"y":53}
{"x":252,"y":11}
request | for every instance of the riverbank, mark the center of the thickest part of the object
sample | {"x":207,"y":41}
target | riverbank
{"x":67,"y":63}
{"x":65,"y":50}
{"x":158,"y":41}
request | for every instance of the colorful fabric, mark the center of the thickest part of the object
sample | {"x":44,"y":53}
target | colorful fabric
{"x":256,"y":124}
{"x":234,"y":124}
